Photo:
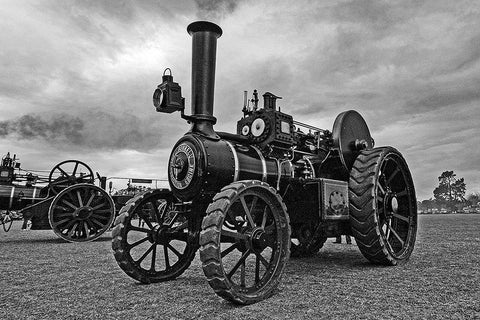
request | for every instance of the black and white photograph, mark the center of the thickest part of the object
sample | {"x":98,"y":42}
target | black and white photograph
{"x":250,"y":159}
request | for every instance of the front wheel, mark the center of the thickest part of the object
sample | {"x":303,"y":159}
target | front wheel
{"x":383,"y":207}
{"x":245,"y":242}
{"x":155,"y":237}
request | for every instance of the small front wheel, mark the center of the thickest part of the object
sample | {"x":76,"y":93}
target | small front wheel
{"x":245,"y":242}
{"x":155,"y":237}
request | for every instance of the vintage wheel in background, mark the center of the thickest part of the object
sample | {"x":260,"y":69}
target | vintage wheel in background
{"x":383,"y":208}
{"x":81,"y":213}
{"x":68,"y":173}
{"x":7,"y":222}
{"x":155,"y":238}
{"x":308,"y":241}
{"x":245,"y":242}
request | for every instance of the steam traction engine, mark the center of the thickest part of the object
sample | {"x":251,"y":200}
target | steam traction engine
{"x":277,"y":188}
{"x":65,"y":201}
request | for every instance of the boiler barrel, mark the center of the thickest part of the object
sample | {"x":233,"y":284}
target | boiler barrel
{"x":16,"y":197}
{"x":199,"y":165}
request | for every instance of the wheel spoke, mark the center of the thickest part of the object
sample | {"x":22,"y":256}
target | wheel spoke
{"x":262,"y":259}
{"x":242,"y":274}
{"x":228,"y":250}
{"x":75,"y":168}
{"x":254,"y":203}
{"x":90,"y":200}
{"x":61,"y":222}
{"x":397,"y":236}
{"x":154,"y":255}
{"x":72,"y":230}
{"x":394,"y":173}
{"x":103,"y":211}
{"x":136,"y":243}
{"x":382,"y":190}
{"x":247,"y":212}
{"x":69,"y":204}
{"x":99,"y":206}
{"x":79,"y":197}
{"x":165,"y":252}
{"x":63,"y":172}
{"x":85,"y":229}
{"x":402,"y":193}
{"x":398,"y":216}
{"x":157,"y":215}
{"x":174,"y":250}
{"x":97,"y":222}
{"x":235,"y":235}
{"x":133,"y":228}
{"x":147,"y":221}
{"x":257,"y":269}
{"x":387,"y":229}
{"x":145,"y":254}
{"x":238,"y":264}
{"x":264,"y":218}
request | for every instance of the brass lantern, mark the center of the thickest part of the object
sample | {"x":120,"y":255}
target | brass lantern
{"x":167,"y":97}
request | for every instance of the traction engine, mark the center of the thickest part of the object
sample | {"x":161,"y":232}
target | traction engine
{"x":276,"y":189}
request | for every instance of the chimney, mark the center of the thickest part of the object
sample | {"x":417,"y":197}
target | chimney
{"x":204,"y":48}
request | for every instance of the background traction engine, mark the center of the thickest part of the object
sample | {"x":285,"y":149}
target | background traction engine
{"x":275,"y":188}
{"x":65,"y":201}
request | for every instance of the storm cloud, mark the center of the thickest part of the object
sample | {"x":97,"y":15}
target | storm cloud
{"x":94,"y":130}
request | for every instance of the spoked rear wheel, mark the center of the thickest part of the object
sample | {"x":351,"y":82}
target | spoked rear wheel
{"x":245,"y":242}
{"x":383,"y":208}
{"x":155,"y":238}
{"x":81,"y":213}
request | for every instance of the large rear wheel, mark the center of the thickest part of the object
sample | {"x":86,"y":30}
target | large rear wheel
{"x":383,"y":208}
{"x":245,"y":242}
{"x":155,"y":237}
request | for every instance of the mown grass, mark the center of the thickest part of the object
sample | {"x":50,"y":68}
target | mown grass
{"x":43,"y":277}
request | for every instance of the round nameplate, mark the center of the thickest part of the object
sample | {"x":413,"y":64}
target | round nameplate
{"x":182,"y":166}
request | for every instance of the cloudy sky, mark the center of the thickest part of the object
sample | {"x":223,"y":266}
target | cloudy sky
{"x":77,"y":77}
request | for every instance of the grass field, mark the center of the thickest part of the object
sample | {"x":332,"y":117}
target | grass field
{"x":43,"y":277}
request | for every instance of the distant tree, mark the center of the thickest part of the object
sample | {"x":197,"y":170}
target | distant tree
{"x":427,"y":205}
{"x":473,"y":198}
{"x":450,"y":190}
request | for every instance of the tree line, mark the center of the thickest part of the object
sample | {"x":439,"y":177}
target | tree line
{"x":449,"y":196}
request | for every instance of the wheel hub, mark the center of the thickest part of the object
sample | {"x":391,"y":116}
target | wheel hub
{"x":391,"y":204}
{"x":258,"y":239}
{"x":83,"y":213}
{"x":159,"y":235}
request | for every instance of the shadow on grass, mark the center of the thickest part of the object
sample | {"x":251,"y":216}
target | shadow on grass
{"x":333,"y":260}
{"x":52,"y":240}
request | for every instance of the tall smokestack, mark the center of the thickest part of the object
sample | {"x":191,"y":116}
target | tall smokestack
{"x":204,"y":48}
